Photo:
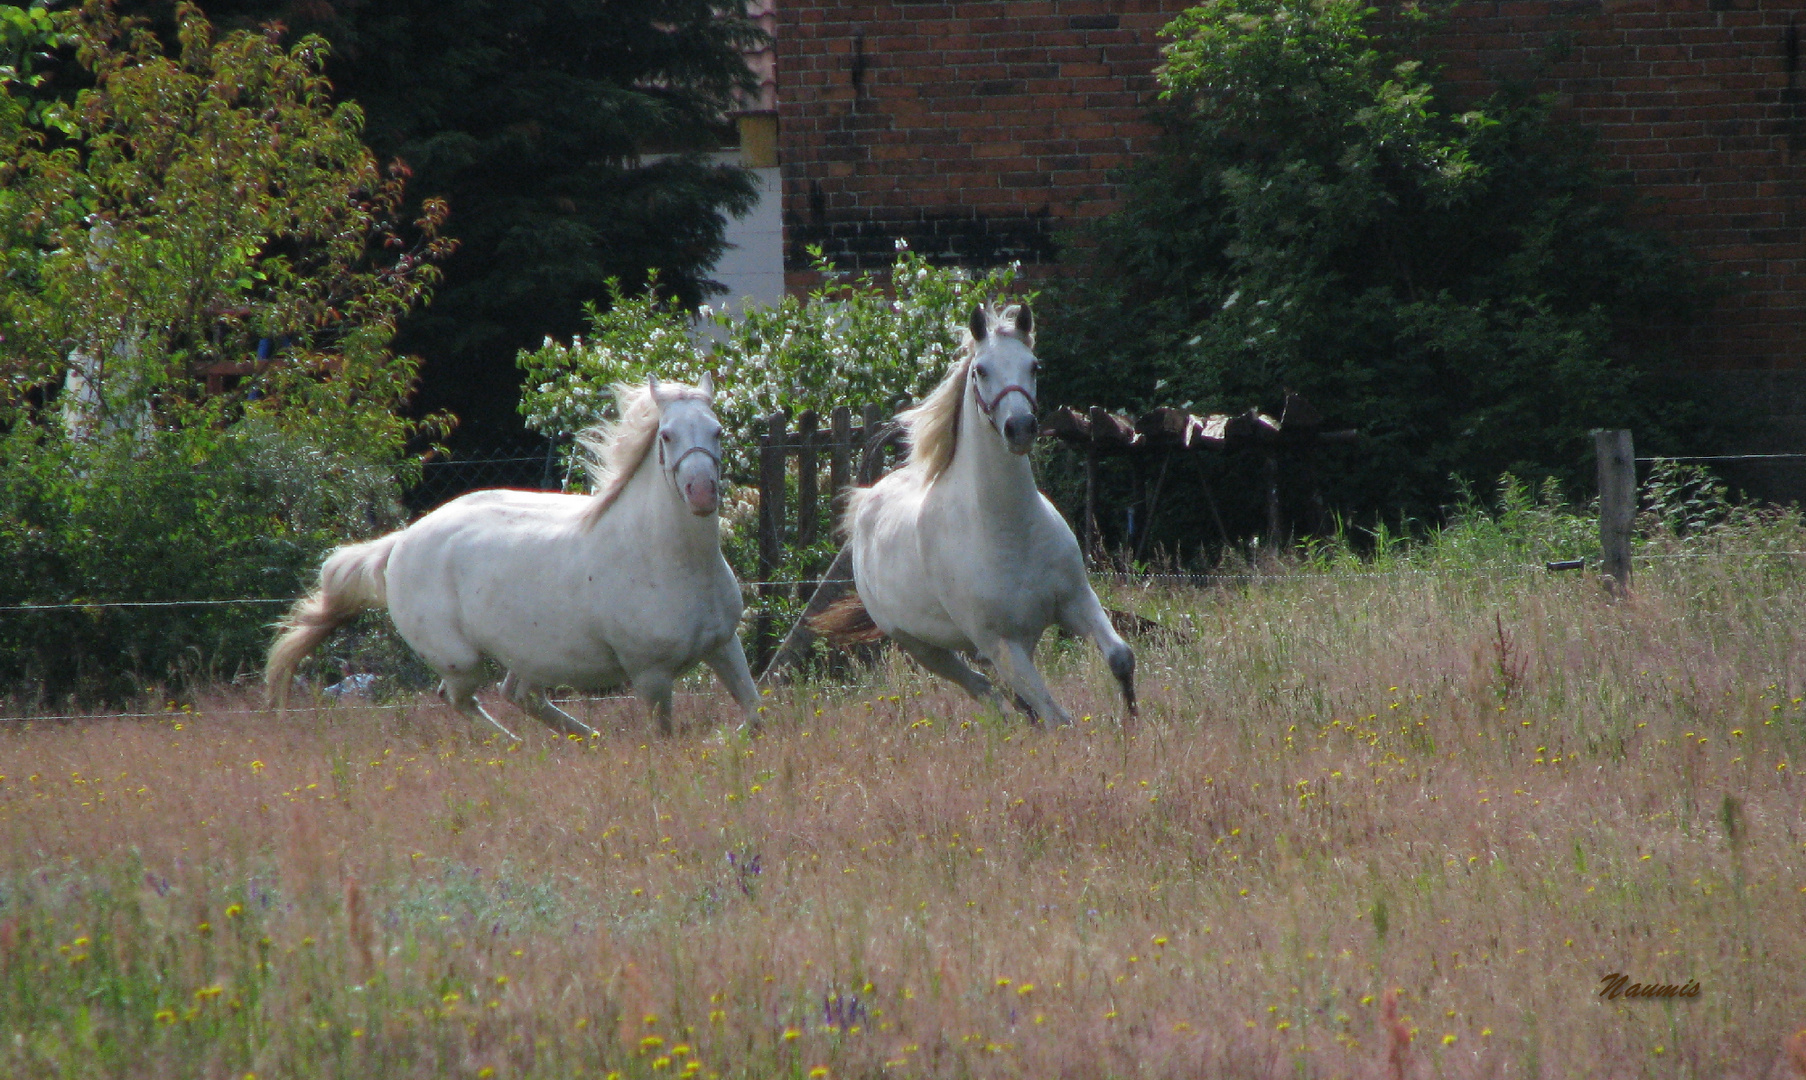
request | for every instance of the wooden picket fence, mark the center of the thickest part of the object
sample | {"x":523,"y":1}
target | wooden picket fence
{"x":857,"y":454}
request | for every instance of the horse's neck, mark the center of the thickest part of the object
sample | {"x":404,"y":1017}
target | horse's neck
{"x":658,"y":518}
{"x":984,"y":468}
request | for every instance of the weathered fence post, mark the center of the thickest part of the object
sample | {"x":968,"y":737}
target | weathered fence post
{"x":771,"y":527}
{"x":806,"y":479}
{"x":840,"y":461}
{"x":1617,"y":505}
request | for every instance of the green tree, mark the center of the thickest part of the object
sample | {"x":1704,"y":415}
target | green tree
{"x":570,"y":139}
{"x":205,"y":217}
{"x":1461,"y":285}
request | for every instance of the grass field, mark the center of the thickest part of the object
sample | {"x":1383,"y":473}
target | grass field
{"x":1480,"y":788}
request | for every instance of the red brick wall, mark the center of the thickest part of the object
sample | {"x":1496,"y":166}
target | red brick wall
{"x":1701,"y":102}
{"x":972,"y":129}
{"x":976,"y":129}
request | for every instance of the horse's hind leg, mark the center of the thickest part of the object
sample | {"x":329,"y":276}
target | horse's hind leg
{"x":532,"y":701}
{"x":1016,"y":663}
{"x":947,"y":664}
{"x":1089,"y":620}
{"x":461,"y":692}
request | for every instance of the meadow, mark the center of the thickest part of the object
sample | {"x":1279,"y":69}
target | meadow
{"x":1387,"y":816}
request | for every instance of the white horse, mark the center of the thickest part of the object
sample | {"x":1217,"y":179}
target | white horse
{"x":958,"y":551}
{"x":589,"y":591}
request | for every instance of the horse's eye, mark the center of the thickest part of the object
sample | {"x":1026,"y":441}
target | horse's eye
{"x":665,"y":435}
{"x":1035,"y":368}
{"x":981,"y":371}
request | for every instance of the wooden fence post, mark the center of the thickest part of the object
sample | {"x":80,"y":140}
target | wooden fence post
{"x":806,"y":480}
{"x":1617,"y":505}
{"x":840,"y":462}
{"x":771,"y":526}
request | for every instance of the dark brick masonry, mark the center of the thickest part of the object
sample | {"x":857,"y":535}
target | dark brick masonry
{"x":979,"y":129}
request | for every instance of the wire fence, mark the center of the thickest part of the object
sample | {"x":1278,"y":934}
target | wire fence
{"x":1128,"y":578}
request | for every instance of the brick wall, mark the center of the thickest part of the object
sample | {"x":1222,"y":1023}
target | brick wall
{"x":976,"y":129}
{"x":1700,"y":101}
{"x":971,"y":129}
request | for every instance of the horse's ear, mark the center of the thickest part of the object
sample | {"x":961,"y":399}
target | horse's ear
{"x":652,"y":387}
{"x":980,"y":325}
{"x":1025,"y":323}
{"x":706,"y":384}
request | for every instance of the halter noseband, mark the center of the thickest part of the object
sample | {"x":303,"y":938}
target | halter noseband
{"x":991,"y":409}
{"x":697,"y":449}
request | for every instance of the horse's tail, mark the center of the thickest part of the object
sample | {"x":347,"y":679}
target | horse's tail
{"x":353,"y":578}
{"x":846,"y":623}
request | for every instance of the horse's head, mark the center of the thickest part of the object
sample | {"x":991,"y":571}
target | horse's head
{"x":1002,"y":375}
{"x":689,"y":443}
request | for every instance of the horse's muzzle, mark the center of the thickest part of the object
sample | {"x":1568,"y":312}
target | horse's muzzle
{"x":703,"y":496}
{"x":1019,"y":433}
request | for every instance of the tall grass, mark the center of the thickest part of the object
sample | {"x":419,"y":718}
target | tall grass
{"x":1472,"y":786}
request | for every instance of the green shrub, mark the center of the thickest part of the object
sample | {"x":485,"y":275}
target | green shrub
{"x":1461,"y":285}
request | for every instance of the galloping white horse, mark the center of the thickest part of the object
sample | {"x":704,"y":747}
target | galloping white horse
{"x":958,"y":550}
{"x":589,"y":591}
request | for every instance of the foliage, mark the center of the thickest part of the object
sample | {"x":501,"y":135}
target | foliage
{"x":571,"y":139}
{"x":1461,"y":286}
{"x":850,"y":342}
{"x":207,"y":212}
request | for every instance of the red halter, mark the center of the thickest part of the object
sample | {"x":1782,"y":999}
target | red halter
{"x":991,"y":409}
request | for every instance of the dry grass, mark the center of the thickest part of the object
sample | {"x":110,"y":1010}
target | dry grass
{"x":1481,"y":793}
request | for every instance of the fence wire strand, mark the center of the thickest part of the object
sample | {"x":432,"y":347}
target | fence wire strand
{"x":1113,"y":577}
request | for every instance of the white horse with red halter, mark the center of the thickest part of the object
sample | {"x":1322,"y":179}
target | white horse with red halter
{"x":624,"y":586}
{"x":958,"y":551}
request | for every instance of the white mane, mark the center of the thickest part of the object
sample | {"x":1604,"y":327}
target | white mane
{"x":614,"y":449}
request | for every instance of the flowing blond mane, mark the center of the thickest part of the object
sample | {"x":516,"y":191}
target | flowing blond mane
{"x":613,"y":450}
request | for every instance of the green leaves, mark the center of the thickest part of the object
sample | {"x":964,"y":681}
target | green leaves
{"x":850,"y":342}
{"x":1460,"y":283}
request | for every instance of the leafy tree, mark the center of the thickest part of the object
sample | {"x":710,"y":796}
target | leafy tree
{"x":1462,"y":286}
{"x":209,"y":215}
{"x":569,"y":137}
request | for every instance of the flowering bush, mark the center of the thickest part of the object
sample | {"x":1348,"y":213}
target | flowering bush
{"x":849,"y":342}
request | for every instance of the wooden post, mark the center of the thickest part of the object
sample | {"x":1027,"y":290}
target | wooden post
{"x":1617,"y":505}
{"x":806,"y":480}
{"x":840,"y":462}
{"x":1088,"y":528}
{"x":1153,"y":504}
{"x":1270,"y":469}
{"x":871,"y":459}
{"x":771,"y":527}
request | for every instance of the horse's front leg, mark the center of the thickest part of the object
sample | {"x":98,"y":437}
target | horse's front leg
{"x":532,"y":701}
{"x":728,"y":662}
{"x":1015,"y":662}
{"x":1086,"y":618}
{"x":654,"y":688}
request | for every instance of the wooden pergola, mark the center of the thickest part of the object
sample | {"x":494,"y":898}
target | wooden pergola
{"x":1156,"y":437}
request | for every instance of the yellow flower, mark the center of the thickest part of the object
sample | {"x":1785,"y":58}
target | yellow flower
{"x":1002,"y":981}
{"x":233,"y":911}
{"x":791,"y":1034}
{"x":1448,"y":1040}
{"x":485,"y":1072}
{"x":1026,"y":989}
{"x":256,"y":766}
{"x":651,"y":1042}
{"x":818,"y":1072}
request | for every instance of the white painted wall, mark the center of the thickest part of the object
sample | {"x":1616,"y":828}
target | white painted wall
{"x":753,"y":266}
